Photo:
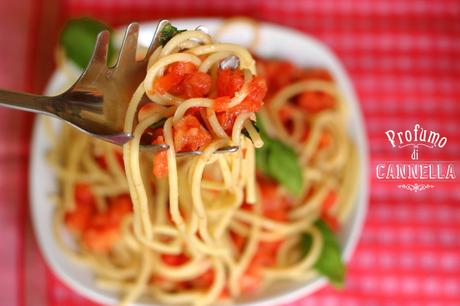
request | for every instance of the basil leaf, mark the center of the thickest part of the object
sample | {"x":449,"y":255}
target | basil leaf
{"x":262,"y":159}
{"x":168,"y":32}
{"x":283,"y":166}
{"x":279,"y":161}
{"x":329,"y":262}
{"x":78,"y":39}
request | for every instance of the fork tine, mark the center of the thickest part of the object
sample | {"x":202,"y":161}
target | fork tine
{"x":101,"y":49}
{"x":129,"y":45}
{"x":163,"y":147}
{"x":156,"y":38}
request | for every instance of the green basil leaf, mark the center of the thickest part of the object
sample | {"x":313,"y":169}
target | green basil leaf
{"x":283,"y":166}
{"x":168,"y":32}
{"x":78,"y":39}
{"x":262,"y":159}
{"x":279,"y":161}
{"x":329,"y":262}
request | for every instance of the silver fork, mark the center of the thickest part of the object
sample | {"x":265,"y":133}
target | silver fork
{"x":96,"y":104}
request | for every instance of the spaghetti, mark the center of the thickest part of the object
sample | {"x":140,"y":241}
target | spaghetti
{"x":197,"y":230}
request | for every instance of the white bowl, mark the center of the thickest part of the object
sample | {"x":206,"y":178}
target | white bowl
{"x":276,"y":41}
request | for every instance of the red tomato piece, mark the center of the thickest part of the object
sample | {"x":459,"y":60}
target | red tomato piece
{"x":220,"y":104}
{"x":160,"y":164}
{"x":274,"y":206}
{"x":119,"y":207}
{"x":331,"y":222}
{"x":325,"y":140}
{"x":160,"y":159}
{"x":238,"y":241}
{"x":78,"y":219}
{"x":229,"y":81}
{"x":251,"y":280}
{"x":315,"y":102}
{"x":326,"y":215}
{"x":225,"y":294}
{"x":167,"y":82}
{"x":103,"y":229}
{"x":83,"y":193}
{"x":174,"y":260}
{"x":194,"y":111}
{"x":257,"y":89}
{"x":181,"y":68}
{"x":171,"y":80}
{"x":278,"y":73}
{"x":226,"y":120}
{"x":197,"y":85}
{"x":119,"y":157}
{"x":101,"y":235}
{"x":254,"y":101}
{"x":204,"y":281}
{"x":190,"y":135}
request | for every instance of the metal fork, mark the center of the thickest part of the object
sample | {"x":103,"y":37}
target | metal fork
{"x":97,"y":102}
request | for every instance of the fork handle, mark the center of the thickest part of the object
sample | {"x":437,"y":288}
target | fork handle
{"x":27,"y":102}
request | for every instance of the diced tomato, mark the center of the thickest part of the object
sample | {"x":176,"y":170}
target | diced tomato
{"x":190,"y":135}
{"x":160,"y":164}
{"x":326,"y":215}
{"x":264,"y":257}
{"x":197,"y":85}
{"x":167,"y":82}
{"x":156,"y":134}
{"x":225,"y":294}
{"x":331,"y":221}
{"x":160,"y":159}
{"x":119,"y":157}
{"x":257,"y":89}
{"x":229,"y":81}
{"x":101,"y":161}
{"x":194,"y":111}
{"x":278,"y":73}
{"x":254,"y":101}
{"x":83,"y":193}
{"x":103,"y":228}
{"x":238,"y":241}
{"x":204,"y":281}
{"x":171,"y":80}
{"x":119,"y":207}
{"x":174,"y":260}
{"x":226,"y":120}
{"x":274,"y":206}
{"x":78,"y":219}
{"x":101,"y":236}
{"x":325,"y":140}
{"x":220,"y":104}
{"x":315,"y":101}
{"x":251,"y":280}
{"x":181,"y":68}
{"x":266,"y":254}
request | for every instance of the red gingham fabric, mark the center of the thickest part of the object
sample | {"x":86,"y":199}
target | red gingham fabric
{"x":403,"y":57}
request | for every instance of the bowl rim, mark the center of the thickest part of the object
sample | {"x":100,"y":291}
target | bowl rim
{"x":359,"y":211}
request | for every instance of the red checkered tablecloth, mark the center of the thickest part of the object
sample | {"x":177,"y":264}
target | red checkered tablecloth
{"x":403,"y":57}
